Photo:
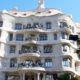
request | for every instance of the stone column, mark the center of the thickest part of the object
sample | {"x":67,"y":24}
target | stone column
{"x":38,"y":76}
{"x":23,"y":76}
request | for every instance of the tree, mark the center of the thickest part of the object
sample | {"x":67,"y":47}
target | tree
{"x":67,"y":76}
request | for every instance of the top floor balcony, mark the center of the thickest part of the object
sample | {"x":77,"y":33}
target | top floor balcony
{"x":40,"y":27}
{"x":28,"y":27}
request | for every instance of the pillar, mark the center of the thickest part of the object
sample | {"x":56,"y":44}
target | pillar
{"x":23,"y":76}
{"x":38,"y":76}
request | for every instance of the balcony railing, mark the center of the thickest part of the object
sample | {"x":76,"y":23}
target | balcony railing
{"x":31,"y":64}
{"x":30,"y":39}
{"x":33,"y":27}
{"x":29,"y":26}
{"x":28,"y":51}
{"x":27,"y":64}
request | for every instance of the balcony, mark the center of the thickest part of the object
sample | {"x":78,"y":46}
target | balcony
{"x":29,"y":27}
{"x":27,"y":65}
{"x":68,"y":29}
{"x":70,"y":69}
{"x":31,"y":39}
{"x":36,"y":26}
{"x":31,"y":66}
{"x":77,"y":66}
{"x":29,"y":53}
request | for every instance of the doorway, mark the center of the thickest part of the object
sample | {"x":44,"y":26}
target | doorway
{"x":29,"y":77}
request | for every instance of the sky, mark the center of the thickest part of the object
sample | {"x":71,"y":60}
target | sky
{"x":70,"y":7}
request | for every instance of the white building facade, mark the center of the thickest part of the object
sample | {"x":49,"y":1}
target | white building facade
{"x":35,"y":45}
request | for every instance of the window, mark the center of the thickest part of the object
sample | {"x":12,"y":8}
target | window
{"x":35,"y":48}
{"x":48,"y":63}
{"x":36,"y":25}
{"x":43,"y":37}
{"x":18,"y":26}
{"x":12,"y":49}
{"x":19,"y":37}
{"x":65,"y":47}
{"x":66,"y":62}
{"x":24,"y":26}
{"x":48,"y":77}
{"x":55,"y":36}
{"x":64,"y":35}
{"x":25,"y":49}
{"x":13,"y":62}
{"x":29,"y":26}
{"x":1,"y":23}
{"x":10,"y":37}
{"x":63,"y":24}
{"x":48,"y":25}
{"x":48,"y":49}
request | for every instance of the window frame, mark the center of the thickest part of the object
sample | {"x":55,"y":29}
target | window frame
{"x":66,"y":62}
{"x":18,"y":26}
{"x":19,"y":37}
{"x":65,"y":47}
{"x":48,"y":25}
{"x":12,"y":49}
{"x":43,"y":37}
{"x":55,"y":36}
{"x":10,"y":36}
{"x":48,"y":49}
{"x":48,"y":63}
{"x":64,"y":35}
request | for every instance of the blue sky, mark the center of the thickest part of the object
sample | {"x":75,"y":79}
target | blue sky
{"x":71,"y":7}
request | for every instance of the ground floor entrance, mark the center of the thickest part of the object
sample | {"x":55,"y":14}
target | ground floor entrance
{"x":31,"y":76}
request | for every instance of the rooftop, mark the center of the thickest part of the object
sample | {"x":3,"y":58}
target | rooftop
{"x":40,"y":11}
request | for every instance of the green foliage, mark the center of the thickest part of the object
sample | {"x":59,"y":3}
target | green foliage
{"x":67,"y":76}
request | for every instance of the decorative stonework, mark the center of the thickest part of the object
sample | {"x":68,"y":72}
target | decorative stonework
{"x":41,"y":4}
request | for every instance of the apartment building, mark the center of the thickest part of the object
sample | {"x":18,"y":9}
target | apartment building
{"x":38,"y":45}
